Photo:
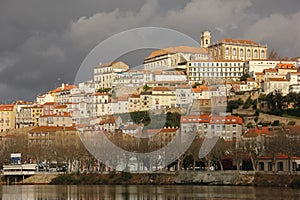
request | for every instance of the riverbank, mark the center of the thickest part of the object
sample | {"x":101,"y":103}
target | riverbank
{"x":184,"y":178}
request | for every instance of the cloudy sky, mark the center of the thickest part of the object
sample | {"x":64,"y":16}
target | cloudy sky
{"x":43,"y":42}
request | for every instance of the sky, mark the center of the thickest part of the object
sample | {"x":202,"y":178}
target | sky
{"x":43,"y":43}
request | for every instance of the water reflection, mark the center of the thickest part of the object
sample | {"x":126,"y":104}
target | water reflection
{"x":141,"y":192}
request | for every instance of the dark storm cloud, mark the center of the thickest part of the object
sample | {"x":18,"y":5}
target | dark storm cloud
{"x":42,"y":43}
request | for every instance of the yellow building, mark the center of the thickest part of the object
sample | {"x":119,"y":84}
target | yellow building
{"x":234,"y":49}
{"x":7,"y":117}
{"x":36,"y":112}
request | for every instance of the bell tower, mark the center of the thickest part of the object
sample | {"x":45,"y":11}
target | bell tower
{"x":205,"y":39}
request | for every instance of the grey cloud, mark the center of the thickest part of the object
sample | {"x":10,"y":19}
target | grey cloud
{"x":41,"y":41}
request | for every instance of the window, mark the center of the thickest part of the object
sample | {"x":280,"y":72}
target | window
{"x":248,"y":53}
{"x":262,"y":54}
{"x":227,"y":51}
{"x":255,"y":53}
{"x":234,"y":51}
{"x":241,"y":53}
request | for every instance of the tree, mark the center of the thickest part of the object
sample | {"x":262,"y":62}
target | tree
{"x":274,"y":55}
{"x":275,"y":102}
{"x":244,"y":77}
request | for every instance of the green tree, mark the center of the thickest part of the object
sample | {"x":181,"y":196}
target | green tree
{"x":244,"y":77}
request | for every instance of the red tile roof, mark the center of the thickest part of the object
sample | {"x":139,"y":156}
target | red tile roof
{"x":237,"y":41}
{"x":178,"y":49}
{"x":285,"y":66}
{"x":7,"y":107}
{"x":161,"y":89}
{"x":254,"y":132}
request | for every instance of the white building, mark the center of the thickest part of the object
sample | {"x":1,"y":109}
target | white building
{"x":214,"y":71}
{"x":102,"y":105}
{"x":254,"y":66}
{"x":279,"y":84}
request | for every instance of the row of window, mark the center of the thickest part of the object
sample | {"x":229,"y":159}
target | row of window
{"x":217,"y":64}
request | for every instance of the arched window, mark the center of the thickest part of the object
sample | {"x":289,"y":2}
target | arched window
{"x":248,"y":53}
{"x":241,"y":53}
{"x":255,"y":53}
{"x":262,"y":55}
{"x":234,"y":51}
{"x":227,"y":51}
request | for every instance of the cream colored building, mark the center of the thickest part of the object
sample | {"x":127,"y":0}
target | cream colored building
{"x":102,"y":104}
{"x":59,"y":120}
{"x":172,"y":57}
{"x":104,"y":74}
{"x":7,"y":117}
{"x":163,"y":97}
{"x":234,"y":49}
{"x":205,"y":125}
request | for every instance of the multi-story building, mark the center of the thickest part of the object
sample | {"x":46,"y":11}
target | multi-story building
{"x":104,"y":74}
{"x":58,"y":119}
{"x":173,"y":57}
{"x":120,"y":105}
{"x":205,"y":125}
{"x":163,"y":97}
{"x":234,"y":49}
{"x":134,"y":103}
{"x":259,"y":65}
{"x":278,"y":84}
{"x":214,"y":71}
{"x":62,"y":93}
{"x":7,"y":117}
{"x":102,"y":104}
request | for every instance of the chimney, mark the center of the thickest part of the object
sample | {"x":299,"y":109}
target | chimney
{"x":62,"y":86}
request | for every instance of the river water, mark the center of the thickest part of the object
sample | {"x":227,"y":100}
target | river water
{"x":141,"y":192}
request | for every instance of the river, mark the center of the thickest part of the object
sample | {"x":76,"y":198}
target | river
{"x":140,"y":192}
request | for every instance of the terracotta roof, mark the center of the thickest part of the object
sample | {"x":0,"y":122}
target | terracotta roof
{"x":178,"y":49}
{"x":51,"y":129}
{"x":259,"y":73}
{"x":67,"y":87}
{"x":64,"y":114}
{"x":49,"y":103}
{"x":60,"y":106}
{"x":109,"y":120}
{"x":161,"y":89}
{"x":106,"y":65}
{"x":100,"y":94}
{"x":270,"y":70}
{"x":134,"y":96}
{"x":237,"y":41}
{"x":285,"y":66}
{"x":7,"y":107}
{"x":254,"y":132}
{"x":277,"y":79}
{"x":250,"y":80}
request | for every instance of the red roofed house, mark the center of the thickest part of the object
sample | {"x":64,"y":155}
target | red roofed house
{"x":278,"y":163}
